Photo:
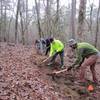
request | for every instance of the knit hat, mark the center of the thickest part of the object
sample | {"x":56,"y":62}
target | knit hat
{"x":72,"y":42}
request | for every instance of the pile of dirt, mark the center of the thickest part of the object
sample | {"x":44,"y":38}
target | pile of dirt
{"x":22,"y":79}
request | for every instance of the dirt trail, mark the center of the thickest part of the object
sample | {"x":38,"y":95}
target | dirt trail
{"x":22,"y":79}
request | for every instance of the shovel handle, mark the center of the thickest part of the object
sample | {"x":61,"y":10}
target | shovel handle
{"x":45,"y":60}
{"x":60,"y":71}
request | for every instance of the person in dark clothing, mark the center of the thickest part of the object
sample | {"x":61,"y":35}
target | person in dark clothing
{"x":43,"y":44}
{"x":40,"y":45}
{"x":47,"y":41}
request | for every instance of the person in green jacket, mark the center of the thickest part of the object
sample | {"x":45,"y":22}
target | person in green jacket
{"x":56,"y":47}
{"x":87,"y":55}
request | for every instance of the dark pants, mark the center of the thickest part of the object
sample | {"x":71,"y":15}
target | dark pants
{"x":61,"y":53}
{"x":47,"y":50}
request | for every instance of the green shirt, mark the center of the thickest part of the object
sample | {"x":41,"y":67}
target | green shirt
{"x":84,"y":50}
{"x":56,"y":46}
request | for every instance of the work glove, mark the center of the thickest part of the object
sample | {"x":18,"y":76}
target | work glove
{"x":57,"y":51}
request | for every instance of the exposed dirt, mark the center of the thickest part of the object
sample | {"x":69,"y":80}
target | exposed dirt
{"x":22,"y":78}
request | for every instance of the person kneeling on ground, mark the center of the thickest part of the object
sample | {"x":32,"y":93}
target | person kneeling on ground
{"x":84,"y":50}
{"x":56,"y":47}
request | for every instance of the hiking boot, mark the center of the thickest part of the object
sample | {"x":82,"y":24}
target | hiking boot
{"x":62,"y":67}
{"x":50,"y":64}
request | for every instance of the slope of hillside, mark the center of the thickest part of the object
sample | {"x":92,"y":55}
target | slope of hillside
{"x":21,"y":78}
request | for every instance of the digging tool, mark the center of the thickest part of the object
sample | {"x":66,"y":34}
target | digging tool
{"x":45,"y":60}
{"x":61,"y":71}
{"x":54,"y":73}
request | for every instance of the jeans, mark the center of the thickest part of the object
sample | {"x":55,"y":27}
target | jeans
{"x":61,"y":53}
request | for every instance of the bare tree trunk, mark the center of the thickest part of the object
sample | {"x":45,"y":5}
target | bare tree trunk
{"x":81,"y":18}
{"x":26,"y":25}
{"x":73,"y":14}
{"x":91,"y":11}
{"x":22,"y":28}
{"x":5,"y":25}
{"x":57,"y":17}
{"x":38,"y":19}
{"x":22,"y":21}
{"x":1,"y":20}
{"x":97,"y":26}
{"x":48,"y":22}
{"x":16,"y":22}
{"x":57,"y":31}
{"x":9,"y":29}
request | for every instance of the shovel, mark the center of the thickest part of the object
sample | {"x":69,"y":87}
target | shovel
{"x":44,"y":61}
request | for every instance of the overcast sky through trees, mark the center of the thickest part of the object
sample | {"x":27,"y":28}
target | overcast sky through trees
{"x":66,"y":2}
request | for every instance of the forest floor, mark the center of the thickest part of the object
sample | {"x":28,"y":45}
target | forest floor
{"x":21,"y":77}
